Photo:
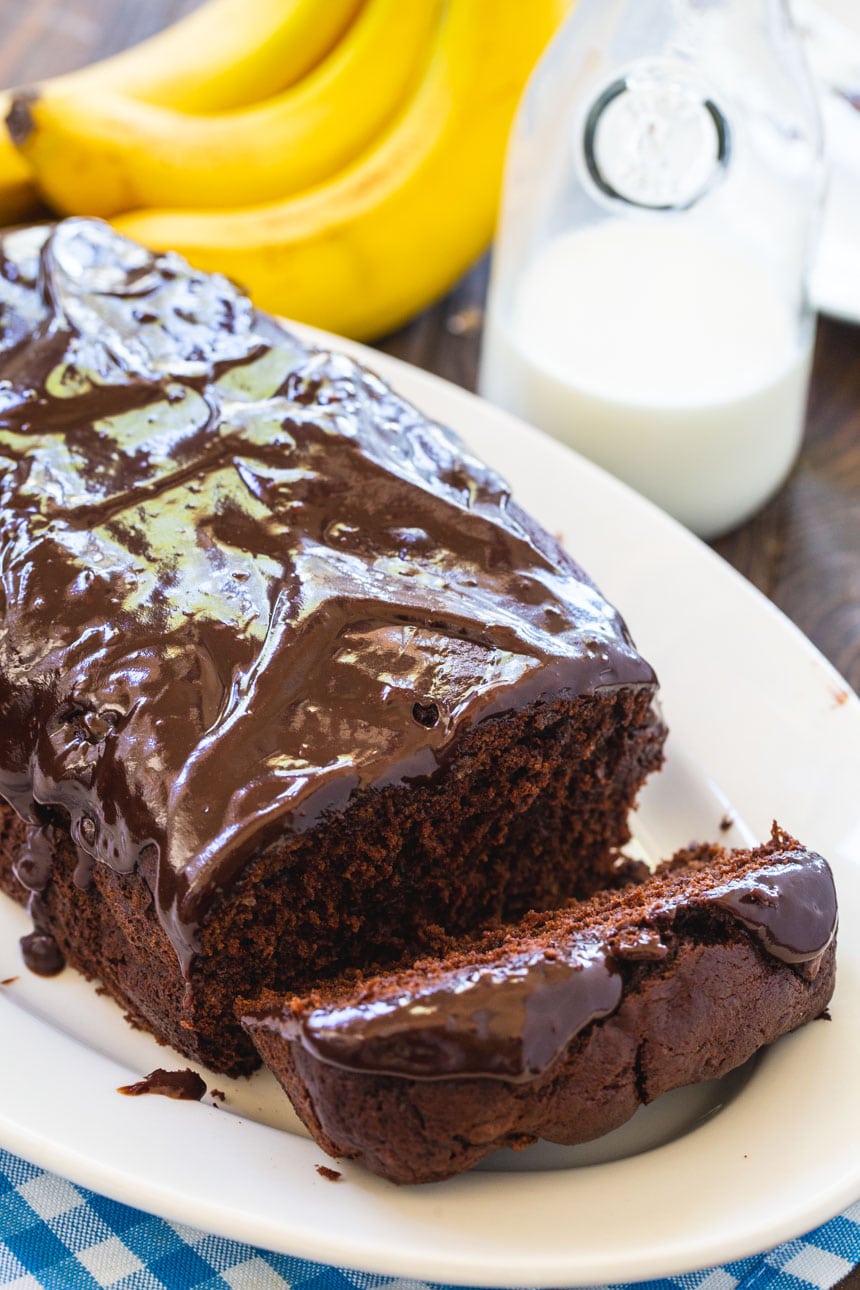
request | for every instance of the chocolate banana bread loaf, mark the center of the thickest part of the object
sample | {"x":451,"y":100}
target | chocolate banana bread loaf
{"x":563,"y":1025}
{"x":288,"y":682}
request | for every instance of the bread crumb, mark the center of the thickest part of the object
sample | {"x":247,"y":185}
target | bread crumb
{"x":184,"y":1085}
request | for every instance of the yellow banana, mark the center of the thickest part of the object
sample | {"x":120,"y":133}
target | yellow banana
{"x":365,"y":251}
{"x":225,"y":54}
{"x":99,"y":153}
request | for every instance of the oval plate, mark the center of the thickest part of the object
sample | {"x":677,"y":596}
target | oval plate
{"x":762,"y":727}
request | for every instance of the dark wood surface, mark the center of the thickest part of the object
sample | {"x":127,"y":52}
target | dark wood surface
{"x":802,"y":550}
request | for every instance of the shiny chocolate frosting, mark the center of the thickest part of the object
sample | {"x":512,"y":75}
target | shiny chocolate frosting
{"x":505,"y":1021}
{"x":790,"y":907}
{"x":513,"y":1014}
{"x":241,"y":578}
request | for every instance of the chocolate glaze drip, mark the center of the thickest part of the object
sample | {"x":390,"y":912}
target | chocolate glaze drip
{"x":513,"y":1017}
{"x":32,"y":868}
{"x":241,"y":580}
{"x":185,"y":1085}
{"x":790,"y":907}
{"x":506,"y":1023}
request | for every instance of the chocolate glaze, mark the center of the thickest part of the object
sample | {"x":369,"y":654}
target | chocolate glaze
{"x":32,"y":868}
{"x":185,"y":1085}
{"x":508,"y":1022}
{"x":511,"y":1017}
{"x":790,"y":907}
{"x":241,"y":579}
{"x":638,"y":945}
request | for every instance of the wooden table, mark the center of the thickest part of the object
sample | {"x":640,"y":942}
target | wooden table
{"x":802,"y":550}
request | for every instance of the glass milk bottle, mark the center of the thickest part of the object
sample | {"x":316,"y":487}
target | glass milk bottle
{"x":648,"y":297}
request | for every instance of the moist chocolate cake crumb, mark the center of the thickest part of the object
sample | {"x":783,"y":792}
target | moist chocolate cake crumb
{"x":333,"y":1175}
{"x":217,"y":1093}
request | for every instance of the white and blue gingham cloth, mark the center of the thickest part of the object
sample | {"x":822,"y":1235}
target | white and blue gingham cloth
{"x":56,"y":1236}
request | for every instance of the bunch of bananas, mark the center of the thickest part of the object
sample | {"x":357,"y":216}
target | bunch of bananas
{"x":342,"y":159}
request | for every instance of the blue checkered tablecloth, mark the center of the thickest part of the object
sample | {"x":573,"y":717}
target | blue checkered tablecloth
{"x":56,"y":1236}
